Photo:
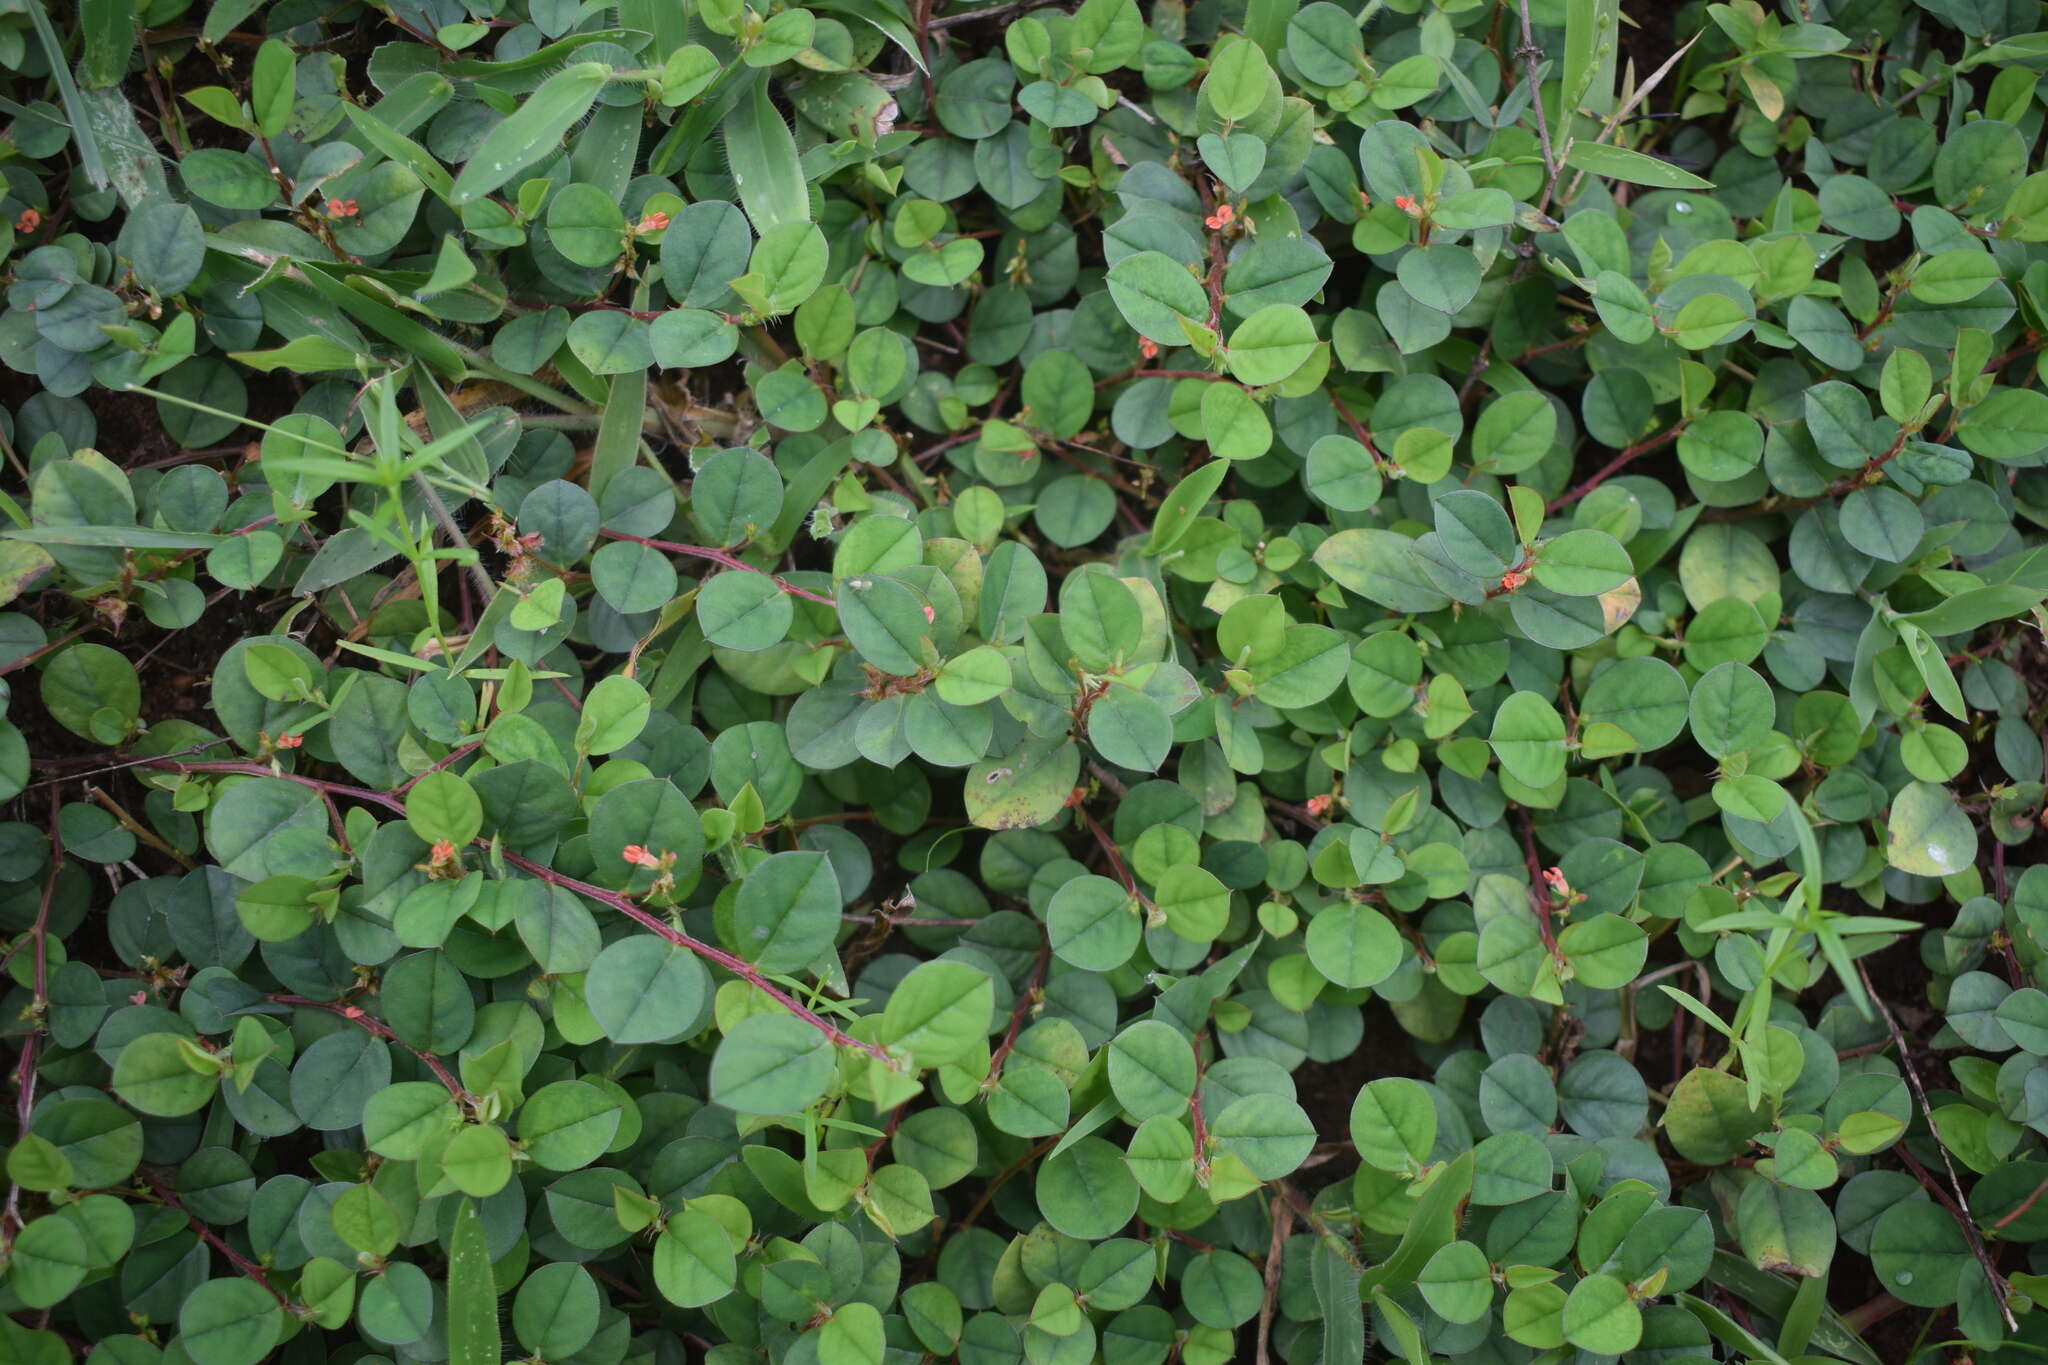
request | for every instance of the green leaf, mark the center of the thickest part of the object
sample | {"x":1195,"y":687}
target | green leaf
{"x":1237,"y":80}
{"x":787,"y":912}
{"x":1441,"y":278}
{"x":1582,"y":563}
{"x":1092,"y":923}
{"x":48,"y":1260}
{"x":441,"y":807}
{"x":473,"y":1336}
{"x":770,"y":1064}
{"x":885,"y":620}
{"x":163,"y":1075}
{"x":229,"y":1322}
{"x":1927,"y":833}
{"x":1785,"y":1229}
{"x":763,"y":153}
{"x":1353,"y":945}
{"x":1156,"y":295}
{"x":1457,"y":1282}
{"x":1271,"y":344}
{"x":1600,"y":1316}
{"x":567,"y":1125}
{"x":272,"y":87}
{"x":1710,"y":1117}
{"x":1087,"y":1190}
{"x":1381,"y":567}
{"x":556,"y":1312}
{"x":939,"y":1012}
{"x":1619,"y":163}
{"x":693,"y":1260}
{"x":614,"y":714}
{"x":642,"y":989}
{"x":1528,"y":739}
{"x":533,"y":131}
{"x":1151,"y":1070}
{"x":1393,"y":1124}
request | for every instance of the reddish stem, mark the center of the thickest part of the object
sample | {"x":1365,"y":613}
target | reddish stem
{"x":1847,"y":483}
{"x":647,"y":919}
{"x":454,"y":756}
{"x":1156,"y":374}
{"x":263,"y":770}
{"x":1358,"y":429}
{"x":582,"y":306}
{"x":1001,"y":1178}
{"x":1539,"y":893}
{"x":369,"y":1023}
{"x":213,"y":1239}
{"x":1025,"y":999}
{"x":1195,"y":1118}
{"x":744,"y":970}
{"x":56,"y":644}
{"x":1116,"y":862}
{"x":888,"y":1130}
{"x":2024,"y":1205}
{"x":932,"y":452}
{"x":1615,"y":466}
{"x":923,"y":20}
{"x":25,"y":1073}
{"x":729,"y":560}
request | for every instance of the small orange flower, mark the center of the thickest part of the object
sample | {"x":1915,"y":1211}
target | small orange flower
{"x":289,"y":741}
{"x":1364,"y":201}
{"x":1553,"y":877}
{"x":444,"y":863}
{"x":29,"y":221}
{"x":139,"y":998}
{"x":1319,"y":805}
{"x":638,"y":856}
{"x":1406,"y":203}
{"x":930,"y":616}
{"x":1148,"y":348}
{"x":653,"y":222}
{"x":1512,"y":579}
{"x":342,"y":208}
{"x":1222,"y":218}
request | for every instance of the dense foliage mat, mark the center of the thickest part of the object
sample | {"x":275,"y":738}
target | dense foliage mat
{"x":1272,"y":681}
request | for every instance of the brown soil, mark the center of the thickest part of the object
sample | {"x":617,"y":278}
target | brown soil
{"x":1648,"y":39}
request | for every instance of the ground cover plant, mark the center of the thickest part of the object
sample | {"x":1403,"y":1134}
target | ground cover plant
{"x":1306,"y":680}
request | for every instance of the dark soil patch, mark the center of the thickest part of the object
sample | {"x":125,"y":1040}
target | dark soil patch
{"x":1649,"y":36}
{"x":1325,"y":1091}
{"x":131,"y":431}
{"x":1894,"y":1338}
{"x":1327,"y":1088}
{"x":50,"y":745}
